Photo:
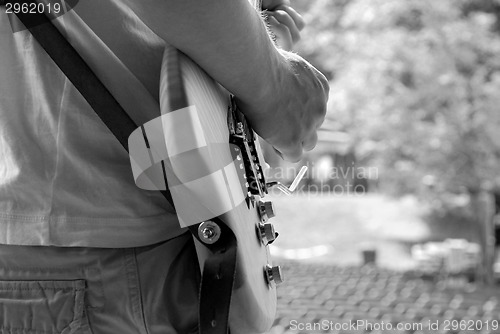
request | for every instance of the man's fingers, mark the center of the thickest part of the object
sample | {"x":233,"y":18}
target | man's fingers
{"x":282,"y":33}
{"x":292,"y":154}
{"x":272,"y":4}
{"x":310,"y":142}
{"x":285,"y":19}
{"x":296,"y":17}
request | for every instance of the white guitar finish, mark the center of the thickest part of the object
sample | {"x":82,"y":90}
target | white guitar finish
{"x":253,"y":303}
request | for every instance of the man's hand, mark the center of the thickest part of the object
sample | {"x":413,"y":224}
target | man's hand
{"x":289,"y":116}
{"x":289,"y":120}
{"x":284,"y":22}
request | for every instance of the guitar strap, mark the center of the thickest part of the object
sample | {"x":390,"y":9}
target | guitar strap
{"x":219,"y":269}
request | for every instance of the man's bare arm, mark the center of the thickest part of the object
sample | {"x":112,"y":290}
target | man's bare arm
{"x":283,"y":96}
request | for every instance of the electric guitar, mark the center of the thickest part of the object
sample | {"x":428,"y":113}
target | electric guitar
{"x":253,"y":303}
{"x":206,"y":154}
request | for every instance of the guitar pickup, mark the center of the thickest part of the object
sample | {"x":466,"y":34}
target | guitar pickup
{"x":243,"y":136}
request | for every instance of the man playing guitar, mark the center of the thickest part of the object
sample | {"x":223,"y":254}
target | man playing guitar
{"x":107,"y":256}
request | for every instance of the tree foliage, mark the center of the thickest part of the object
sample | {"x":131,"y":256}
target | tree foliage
{"x":416,"y":83}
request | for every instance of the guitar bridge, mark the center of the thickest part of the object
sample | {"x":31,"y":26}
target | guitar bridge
{"x":242,"y":135}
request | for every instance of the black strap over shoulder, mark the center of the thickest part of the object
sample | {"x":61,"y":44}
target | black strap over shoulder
{"x":219,"y":269}
{"x":79,"y":73}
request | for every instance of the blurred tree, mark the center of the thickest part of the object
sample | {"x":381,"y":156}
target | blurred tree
{"x":416,"y":83}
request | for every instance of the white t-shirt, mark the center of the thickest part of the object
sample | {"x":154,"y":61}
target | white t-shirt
{"x":64,"y":178}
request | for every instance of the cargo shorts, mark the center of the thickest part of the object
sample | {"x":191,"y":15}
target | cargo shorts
{"x":147,"y":290}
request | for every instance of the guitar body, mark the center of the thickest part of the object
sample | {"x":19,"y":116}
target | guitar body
{"x":253,"y":303}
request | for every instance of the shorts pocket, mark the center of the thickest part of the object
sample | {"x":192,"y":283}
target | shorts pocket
{"x":42,"y":307}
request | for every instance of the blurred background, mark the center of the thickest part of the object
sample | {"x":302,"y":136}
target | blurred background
{"x":396,"y":219}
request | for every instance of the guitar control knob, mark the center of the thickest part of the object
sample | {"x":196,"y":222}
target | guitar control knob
{"x":266,"y":210}
{"x":209,"y":232}
{"x":274,"y":274}
{"x":267,"y":233}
